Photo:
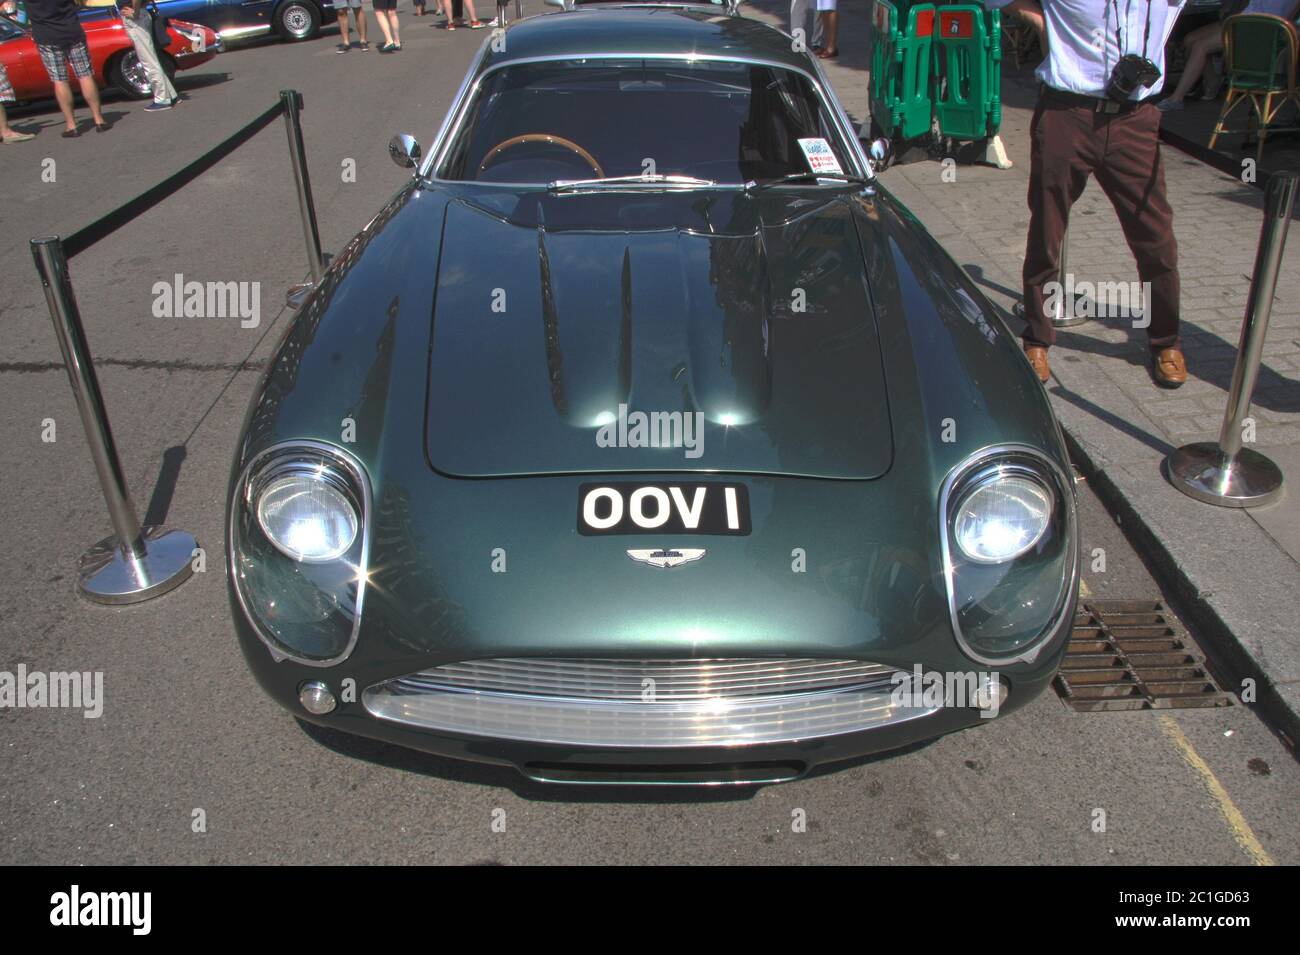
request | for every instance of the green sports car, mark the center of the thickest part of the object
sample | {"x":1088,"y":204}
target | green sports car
{"x":643,"y":437}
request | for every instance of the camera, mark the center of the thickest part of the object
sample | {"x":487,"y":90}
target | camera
{"x":1130,"y":72}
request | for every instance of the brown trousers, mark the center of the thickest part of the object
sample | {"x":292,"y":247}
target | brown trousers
{"x":1122,"y":150}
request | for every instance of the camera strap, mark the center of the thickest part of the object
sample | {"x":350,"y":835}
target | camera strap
{"x":1119,"y":31}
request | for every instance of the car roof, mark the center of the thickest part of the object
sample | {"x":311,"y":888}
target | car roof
{"x":643,"y":30}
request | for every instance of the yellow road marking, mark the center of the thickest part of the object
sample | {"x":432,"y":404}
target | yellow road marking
{"x":1084,"y":592}
{"x":1237,"y":824}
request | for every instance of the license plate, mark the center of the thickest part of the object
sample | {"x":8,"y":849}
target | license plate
{"x":626,"y":507}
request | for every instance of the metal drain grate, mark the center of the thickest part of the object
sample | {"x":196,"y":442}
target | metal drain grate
{"x":1134,"y":655}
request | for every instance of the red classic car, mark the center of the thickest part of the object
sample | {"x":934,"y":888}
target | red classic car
{"x":111,"y":54}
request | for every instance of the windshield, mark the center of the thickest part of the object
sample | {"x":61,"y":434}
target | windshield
{"x":596,"y":118}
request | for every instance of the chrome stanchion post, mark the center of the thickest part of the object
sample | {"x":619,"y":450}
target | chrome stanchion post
{"x":135,"y":563}
{"x":292,"y":100}
{"x":1065,"y":314}
{"x":1227,"y":473}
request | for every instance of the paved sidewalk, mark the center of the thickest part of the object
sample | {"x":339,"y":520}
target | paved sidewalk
{"x":1237,"y":572}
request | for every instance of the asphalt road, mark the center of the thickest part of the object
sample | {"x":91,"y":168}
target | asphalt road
{"x":184,"y":728}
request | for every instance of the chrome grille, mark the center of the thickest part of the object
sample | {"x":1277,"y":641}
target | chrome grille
{"x":631,"y":679}
{"x":650,"y":703}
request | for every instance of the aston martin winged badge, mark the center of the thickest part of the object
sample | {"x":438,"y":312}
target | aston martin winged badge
{"x":667,"y":557}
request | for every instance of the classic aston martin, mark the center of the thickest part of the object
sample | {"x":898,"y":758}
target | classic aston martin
{"x":644,"y":437}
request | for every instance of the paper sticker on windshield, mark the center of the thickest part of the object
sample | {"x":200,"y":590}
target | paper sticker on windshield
{"x":820,"y":158}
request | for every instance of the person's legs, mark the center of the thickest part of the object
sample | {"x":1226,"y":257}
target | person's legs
{"x":1060,"y":158}
{"x":343,"y":29}
{"x":8,"y":134}
{"x":799,"y":21}
{"x":1201,"y":44}
{"x":63,"y":96}
{"x":831,"y":24}
{"x":163,"y":91}
{"x":381,"y":16}
{"x":1132,"y":174}
{"x":78,"y":58}
{"x":473,"y":17}
{"x":359,"y":15}
{"x":392,"y":25}
{"x":55,"y":61}
{"x":90,"y":93}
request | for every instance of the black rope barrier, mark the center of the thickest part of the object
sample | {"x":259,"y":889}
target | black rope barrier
{"x":107,"y":224}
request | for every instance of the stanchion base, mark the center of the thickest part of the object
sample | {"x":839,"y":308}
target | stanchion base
{"x":1070,"y":322}
{"x":297,"y":294}
{"x":106,"y":577}
{"x":1018,"y":310}
{"x":1201,"y":471}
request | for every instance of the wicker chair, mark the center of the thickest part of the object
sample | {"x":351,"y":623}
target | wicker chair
{"x":1259,"y":56}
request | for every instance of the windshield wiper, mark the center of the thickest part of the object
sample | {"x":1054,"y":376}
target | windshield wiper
{"x":648,"y":178}
{"x":797,"y":176}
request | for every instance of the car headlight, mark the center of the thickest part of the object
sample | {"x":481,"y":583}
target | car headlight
{"x":299,"y":549}
{"x":1010,"y":552}
{"x":1001,"y":517}
{"x":306,"y":517}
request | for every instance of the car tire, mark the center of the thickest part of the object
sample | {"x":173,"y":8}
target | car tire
{"x":297,"y":20}
{"x":126,"y":74}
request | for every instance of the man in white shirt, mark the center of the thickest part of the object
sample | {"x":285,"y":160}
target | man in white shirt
{"x":1085,"y":125}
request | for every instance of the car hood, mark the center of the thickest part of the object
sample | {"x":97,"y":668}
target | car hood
{"x":638,"y":332}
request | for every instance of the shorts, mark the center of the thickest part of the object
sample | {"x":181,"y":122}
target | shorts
{"x":344,"y":4}
{"x":385,"y":4}
{"x":57,"y":59}
{"x":6,"y":88}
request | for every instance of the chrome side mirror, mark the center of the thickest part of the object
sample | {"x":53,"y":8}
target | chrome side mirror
{"x":404,"y":150}
{"x":880,"y":153}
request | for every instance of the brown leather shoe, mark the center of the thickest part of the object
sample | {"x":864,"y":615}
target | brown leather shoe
{"x":1037,"y":356}
{"x":1170,"y":367}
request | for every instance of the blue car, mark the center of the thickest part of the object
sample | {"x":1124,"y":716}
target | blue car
{"x":235,"y":20}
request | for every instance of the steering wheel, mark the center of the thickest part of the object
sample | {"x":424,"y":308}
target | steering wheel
{"x":552,"y":139}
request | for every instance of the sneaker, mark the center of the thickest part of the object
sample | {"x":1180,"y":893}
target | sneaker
{"x":1169,"y":105}
{"x":343,"y":48}
{"x":365,"y":46}
{"x":476,"y":24}
{"x":387,"y":47}
{"x":17,"y":137}
{"x":157,"y":107}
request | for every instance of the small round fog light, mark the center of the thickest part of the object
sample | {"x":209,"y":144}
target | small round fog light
{"x":316,"y":698}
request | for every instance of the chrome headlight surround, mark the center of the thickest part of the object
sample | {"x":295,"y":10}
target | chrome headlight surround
{"x":1048,"y":562}
{"x":308,"y":611}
